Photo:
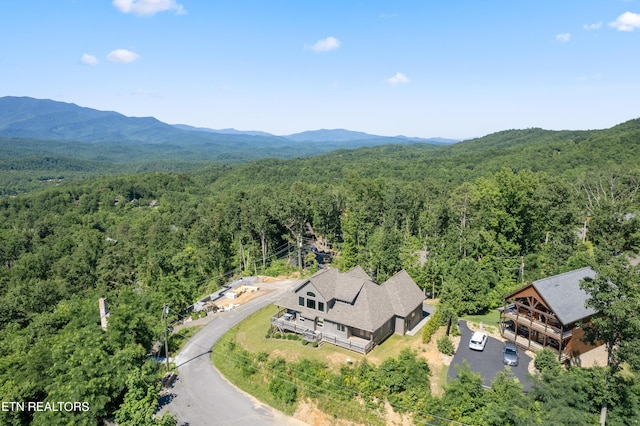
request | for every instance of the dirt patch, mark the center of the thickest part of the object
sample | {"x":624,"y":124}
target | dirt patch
{"x":438,"y":362}
{"x":242,"y":298}
{"x":222,"y":304}
{"x":309,"y":412}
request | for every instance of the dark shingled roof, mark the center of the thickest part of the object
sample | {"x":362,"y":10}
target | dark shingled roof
{"x":563,"y":294}
{"x":403,"y":293}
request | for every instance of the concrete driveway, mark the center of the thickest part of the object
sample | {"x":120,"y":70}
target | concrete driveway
{"x":488,"y":362}
{"x":201,"y":396}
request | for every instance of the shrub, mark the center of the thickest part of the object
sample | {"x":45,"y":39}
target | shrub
{"x":455,"y":331}
{"x":445,"y":345}
{"x":279,"y":267}
{"x":431,"y":327}
{"x":545,"y":360}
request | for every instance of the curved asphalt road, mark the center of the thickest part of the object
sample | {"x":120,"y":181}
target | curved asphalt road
{"x":488,"y":362}
{"x":201,"y":396}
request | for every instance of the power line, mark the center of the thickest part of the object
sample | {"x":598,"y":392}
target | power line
{"x":352,"y":392}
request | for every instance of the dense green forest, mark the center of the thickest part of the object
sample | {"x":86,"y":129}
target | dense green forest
{"x":460,"y":219}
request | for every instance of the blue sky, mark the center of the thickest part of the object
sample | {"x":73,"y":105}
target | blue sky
{"x":457,"y":69}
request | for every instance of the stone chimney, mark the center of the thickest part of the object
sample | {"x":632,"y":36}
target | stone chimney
{"x":104,"y":312}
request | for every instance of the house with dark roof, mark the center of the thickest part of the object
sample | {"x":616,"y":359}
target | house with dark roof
{"x":548,"y":313}
{"x":349,"y":309}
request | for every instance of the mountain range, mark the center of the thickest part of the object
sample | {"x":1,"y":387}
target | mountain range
{"x":45,"y":140}
{"x":24,"y":117}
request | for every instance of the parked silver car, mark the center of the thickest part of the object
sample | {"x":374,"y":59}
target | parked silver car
{"x":510,"y":354}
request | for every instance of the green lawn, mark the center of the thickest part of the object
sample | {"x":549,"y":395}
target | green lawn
{"x":178,"y":340}
{"x":252,"y":336}
{"x":490,"y":319}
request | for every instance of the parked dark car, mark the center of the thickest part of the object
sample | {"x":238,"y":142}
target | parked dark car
{"x":510,"y":354}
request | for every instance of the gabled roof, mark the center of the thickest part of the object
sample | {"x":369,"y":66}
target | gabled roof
{"x":369,"y":311}
{"x":564,"y":295}
{"x":359,"y":302}
{"x":403,"y":293}
{"x":324,"y":282}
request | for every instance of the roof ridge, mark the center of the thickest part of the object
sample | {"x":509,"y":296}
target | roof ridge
{"x":564,"y":273}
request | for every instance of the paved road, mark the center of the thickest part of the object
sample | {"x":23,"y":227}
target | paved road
{"x":201,"y":396}
{"x":488,"y":362}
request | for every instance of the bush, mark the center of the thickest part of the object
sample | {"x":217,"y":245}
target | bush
{"x":279,"y":267}
{"x":546,"y":360}
{"x":445,"y":345}
{"x":431,"y":327}
{"x":455,"y":331}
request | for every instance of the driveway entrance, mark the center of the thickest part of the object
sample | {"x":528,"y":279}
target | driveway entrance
{"x":488,"y":362}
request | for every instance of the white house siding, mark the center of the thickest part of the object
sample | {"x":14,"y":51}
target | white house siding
{"x":331,"y":329}
{"x":310,"y":288}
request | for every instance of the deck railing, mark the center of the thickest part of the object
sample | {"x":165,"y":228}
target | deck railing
{"x":533,"y":324}
{"x":357,"y":345}
{"x":525,"y":343}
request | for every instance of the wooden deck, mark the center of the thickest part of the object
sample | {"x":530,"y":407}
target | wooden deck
{"x":353,"y":343}
{"x":532,"y":345}
{"x":532,"y":324}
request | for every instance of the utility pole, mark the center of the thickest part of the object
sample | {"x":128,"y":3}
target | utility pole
{"x":165,"y":314}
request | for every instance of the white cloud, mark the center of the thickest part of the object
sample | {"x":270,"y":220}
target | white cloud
{"x":148,"y":7}
{"x":329,"y":43}
{"x":399,"y":78}
{"x":590,"y":27}
{"x":122,"y":55}
{"x":628,"y":21}
{"x":88,"y":59}
{"x":563,"y":38}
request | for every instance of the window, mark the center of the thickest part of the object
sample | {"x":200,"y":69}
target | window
{"x":311,"y":304}
{"x":321,"y":306}
{"x":310,"y":294}
{"x":320,"y":322}
{"x":301,"y":301}
{"x":301,"y":319}
{"x":340,"y":327}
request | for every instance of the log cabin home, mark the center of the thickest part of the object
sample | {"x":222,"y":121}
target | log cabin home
{"x":548,"y":313}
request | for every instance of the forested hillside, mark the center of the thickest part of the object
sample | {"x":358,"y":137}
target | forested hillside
{"x":460,"y":219}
